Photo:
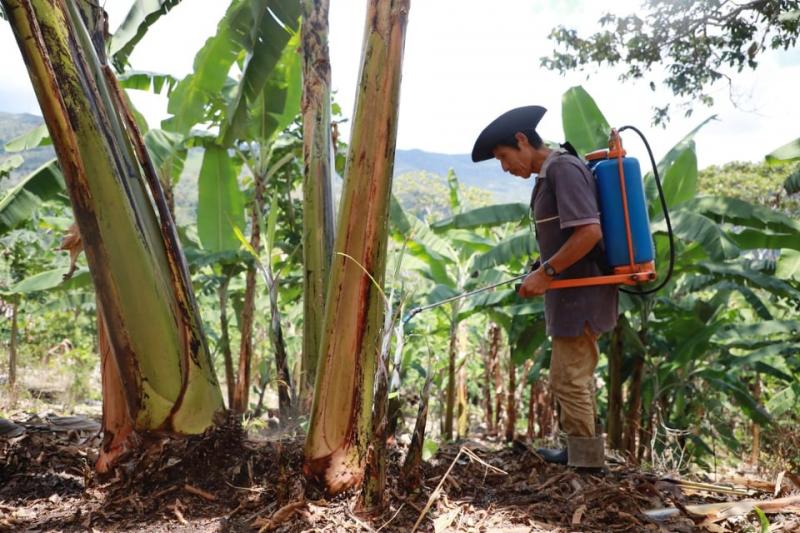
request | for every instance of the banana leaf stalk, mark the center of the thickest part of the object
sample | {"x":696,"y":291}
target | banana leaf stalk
{"x":134,"y":257}
{"x":241,"y":395}
{"x":317,"y":196}
{"x":412,"y":474}
{"x":340,"y":426}
{"x":373,"y":500}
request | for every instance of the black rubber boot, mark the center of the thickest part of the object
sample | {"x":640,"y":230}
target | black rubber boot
{"x":551,"y":455}
{"x":9,"y":430}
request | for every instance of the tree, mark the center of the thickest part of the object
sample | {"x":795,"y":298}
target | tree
{"x":765,"y":184}
{"x":134,"y":255}
{"x":340,"y":426}
{"x":698,"y":41}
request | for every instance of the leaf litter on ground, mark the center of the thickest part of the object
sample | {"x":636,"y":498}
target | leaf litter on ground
{"x":227,"y":480}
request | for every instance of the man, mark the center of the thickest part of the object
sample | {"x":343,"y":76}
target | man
{"x":567,"y":221}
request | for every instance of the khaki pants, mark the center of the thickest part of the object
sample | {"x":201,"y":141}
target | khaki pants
{"x":572,"y":367}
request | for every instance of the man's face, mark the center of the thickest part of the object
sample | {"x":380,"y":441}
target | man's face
{"x":516,"y":161}
{"x":521,"y":161}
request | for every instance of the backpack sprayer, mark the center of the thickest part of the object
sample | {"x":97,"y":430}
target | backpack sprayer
{"x":627,"y":239}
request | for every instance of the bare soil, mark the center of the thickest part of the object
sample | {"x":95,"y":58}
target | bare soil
{"x":228,"y":481}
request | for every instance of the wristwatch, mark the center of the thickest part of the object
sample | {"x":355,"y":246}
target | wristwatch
{"x":549,"y":270}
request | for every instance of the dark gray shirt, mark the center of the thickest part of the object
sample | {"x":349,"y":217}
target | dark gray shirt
{"x":565,"y":196}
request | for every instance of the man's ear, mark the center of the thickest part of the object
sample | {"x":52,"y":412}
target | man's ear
{"x":522,"y":139}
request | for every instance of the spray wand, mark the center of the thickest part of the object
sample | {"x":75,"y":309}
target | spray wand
{"x":422,"y":308}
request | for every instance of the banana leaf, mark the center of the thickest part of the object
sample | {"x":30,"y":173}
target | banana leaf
{"x":142,"y":15}
{"x":488,"y":216}
{"x":19,"y":203}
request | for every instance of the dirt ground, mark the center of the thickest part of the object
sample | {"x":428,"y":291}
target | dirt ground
{"x":227,"y":481}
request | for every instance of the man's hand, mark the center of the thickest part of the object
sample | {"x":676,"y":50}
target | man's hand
{"x":535,"y":284}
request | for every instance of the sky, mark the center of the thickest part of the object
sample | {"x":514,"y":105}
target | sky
{"x":467,"y":61}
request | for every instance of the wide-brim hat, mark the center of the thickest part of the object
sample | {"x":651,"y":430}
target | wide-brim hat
{"x":504,"y":127}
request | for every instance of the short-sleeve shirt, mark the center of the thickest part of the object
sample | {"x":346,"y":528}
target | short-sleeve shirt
{"x":565,"y":196}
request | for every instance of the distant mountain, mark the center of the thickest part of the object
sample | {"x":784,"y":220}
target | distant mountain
{"x":487,"y":175}
{"x":12,"y":126}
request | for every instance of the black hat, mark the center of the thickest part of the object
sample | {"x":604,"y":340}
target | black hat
{"x":504,"y":127}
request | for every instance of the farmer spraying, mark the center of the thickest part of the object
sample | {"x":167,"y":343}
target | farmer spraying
{"x":594,"y":236}
{"x":566,"y":215}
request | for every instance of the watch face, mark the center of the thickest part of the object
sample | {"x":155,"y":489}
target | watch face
{"x":549,"y":270}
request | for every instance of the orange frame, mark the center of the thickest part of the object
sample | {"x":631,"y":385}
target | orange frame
{"x":626,"y":275}
{"x":633,"y":273}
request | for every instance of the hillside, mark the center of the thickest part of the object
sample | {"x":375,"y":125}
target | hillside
{"x":410,"y":166}
{"x":487,"y":175}
{"x":14,"y":125}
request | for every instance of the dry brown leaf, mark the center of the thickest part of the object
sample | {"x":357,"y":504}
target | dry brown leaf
{"x":766,"y":486}
{"x":442,"y":522}
{"x":778,"y":483}
{"x":712,"y":527}
{"x":74,"y":245}
{"x":794,"y":478}
{"x":199,"y":492}
{"x":714,"y":512}
{"x":577,"y":515}
{"x":176,"y":509}
{"x":279,"y":517}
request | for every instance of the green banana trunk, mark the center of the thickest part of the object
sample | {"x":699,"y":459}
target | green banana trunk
{"x":451,"y":371}
{"x":339,"y":431}
{"x":12,"y":346}
{"x":241,"y":395}
{"x":317,"y":197}
{"x":134,"y":256}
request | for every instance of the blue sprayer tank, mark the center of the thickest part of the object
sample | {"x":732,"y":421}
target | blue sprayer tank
{"x":612,"y":214}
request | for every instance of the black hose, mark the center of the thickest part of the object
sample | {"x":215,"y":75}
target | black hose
{"x":641,"y":292}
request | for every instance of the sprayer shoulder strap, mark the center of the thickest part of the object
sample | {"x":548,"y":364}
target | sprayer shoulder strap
{"x":566,"y":157}
{"x":597,"y":253}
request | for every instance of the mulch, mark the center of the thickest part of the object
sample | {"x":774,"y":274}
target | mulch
{"x":226,"y":480}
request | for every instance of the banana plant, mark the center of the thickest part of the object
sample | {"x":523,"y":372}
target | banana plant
{"x":338,"y":433}
{"x":317,"y":195}
{"x":167,"y":382}
{"x":260,"y":38}
{"x":141,"y":15}
{"x":9,"y":164}
{"x":45,"y":183}
{"x":28,"y":270}
{"x":21,"y":201}
{"x":788,"y":152}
